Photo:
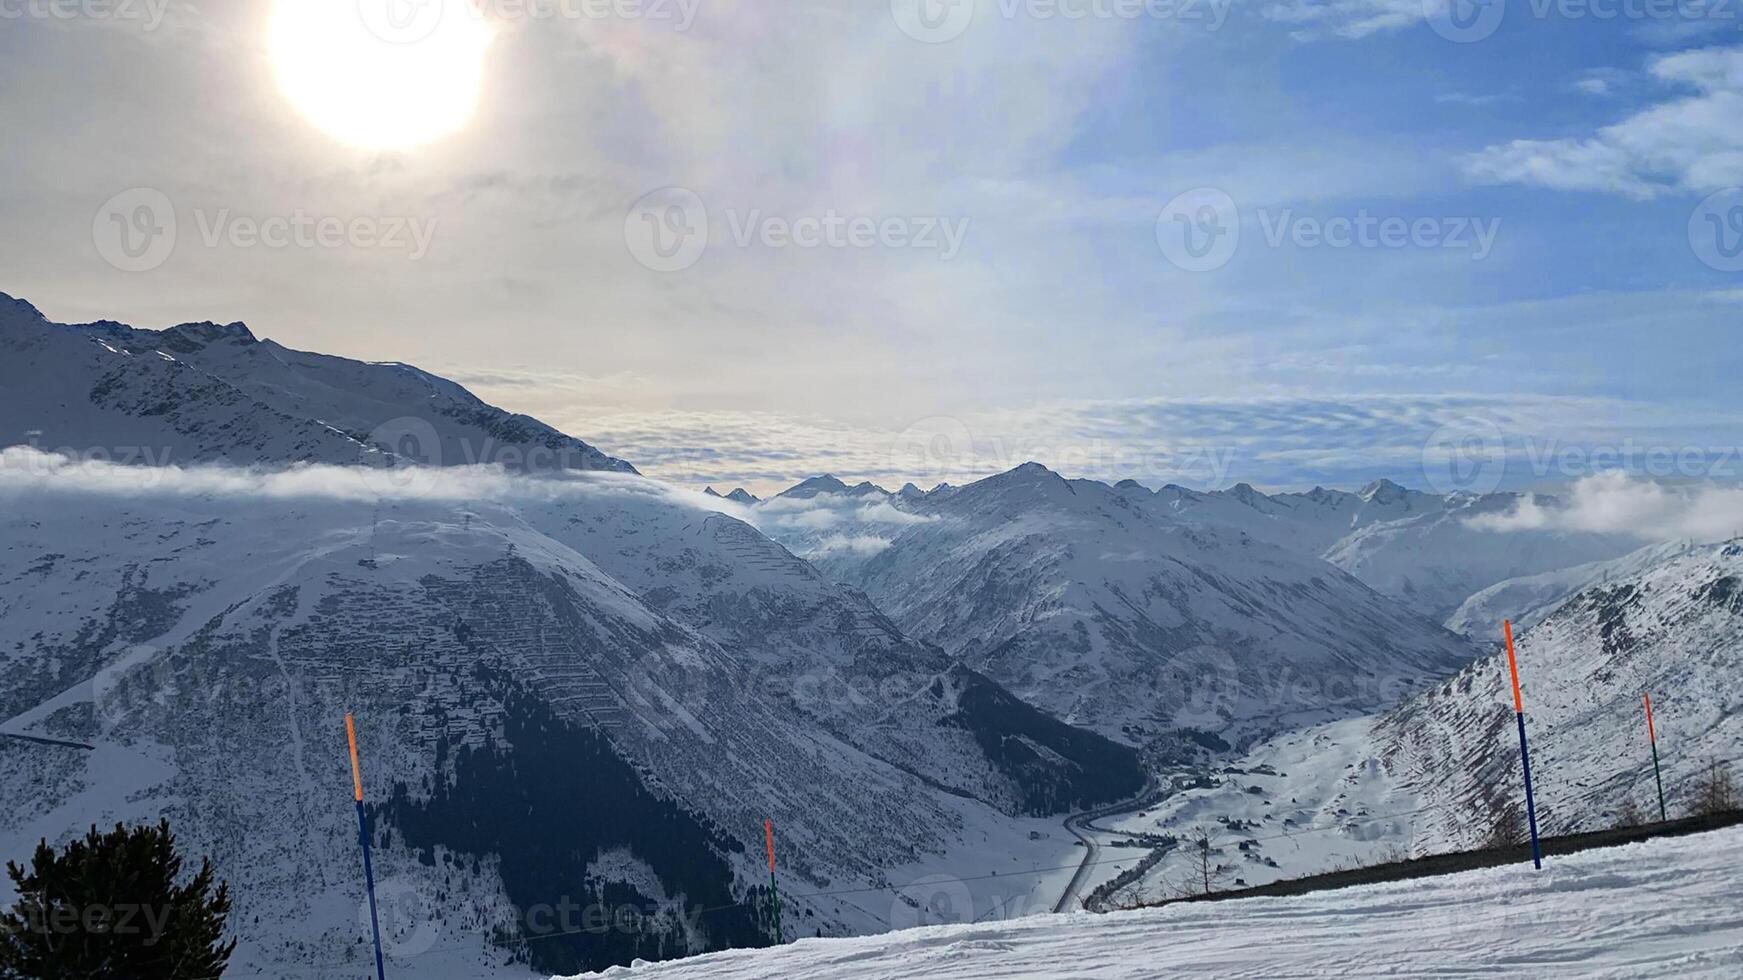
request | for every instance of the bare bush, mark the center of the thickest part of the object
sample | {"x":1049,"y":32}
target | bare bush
{"x":1506,"y":825}
{"x":1716,"y":791}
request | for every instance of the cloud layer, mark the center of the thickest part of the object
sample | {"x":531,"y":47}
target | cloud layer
{"x":1617,"y":503}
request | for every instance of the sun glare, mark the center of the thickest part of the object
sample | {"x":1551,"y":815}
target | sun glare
{"x":381,"y":74}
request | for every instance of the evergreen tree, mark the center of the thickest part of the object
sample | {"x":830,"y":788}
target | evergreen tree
{"x":108,"y":907}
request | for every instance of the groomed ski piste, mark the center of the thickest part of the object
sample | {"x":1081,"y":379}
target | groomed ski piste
{"x":1670,"y":907}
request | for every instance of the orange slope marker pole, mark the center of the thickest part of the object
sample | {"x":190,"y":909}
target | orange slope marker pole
{"x":774,"y":889}
{"x":1524,"y":752}
{"x":1652,"y":736}
{"x":363,"y":836}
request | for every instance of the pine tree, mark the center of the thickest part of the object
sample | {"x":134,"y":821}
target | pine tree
{"x":108,"y":907}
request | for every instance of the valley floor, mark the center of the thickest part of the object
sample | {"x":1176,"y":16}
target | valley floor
{"x":1668,"y":907}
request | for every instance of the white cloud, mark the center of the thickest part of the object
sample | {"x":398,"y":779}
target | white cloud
{"x":1692,"y":143}
{"x":1351,"y":19}
{"x":858,"y":544}
{"x":27,"y":470}
{"x":1617,"y":503}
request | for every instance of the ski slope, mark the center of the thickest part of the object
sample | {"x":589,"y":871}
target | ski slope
{"x":1671,"y":907}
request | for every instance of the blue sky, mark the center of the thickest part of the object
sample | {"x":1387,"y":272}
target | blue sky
{"x":1592,"y":152}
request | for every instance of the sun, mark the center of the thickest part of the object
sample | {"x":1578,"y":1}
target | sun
{"x":381,"y":74}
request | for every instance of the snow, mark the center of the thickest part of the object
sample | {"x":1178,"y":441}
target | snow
{"x":1667,"y":907}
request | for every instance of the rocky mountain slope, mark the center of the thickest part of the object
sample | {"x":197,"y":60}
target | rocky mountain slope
{"x":204,"y":392}
{"x":1434,"y":773}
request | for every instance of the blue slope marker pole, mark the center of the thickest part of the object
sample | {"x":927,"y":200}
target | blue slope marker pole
{"x":1524,"y":751}
{"x":363,"y":836}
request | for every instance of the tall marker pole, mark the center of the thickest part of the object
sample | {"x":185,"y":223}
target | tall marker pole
{"x":1652,"y":736}
{"x":363,"y":836}
{"x":774,"y":890}
{"x":1524,"y":752}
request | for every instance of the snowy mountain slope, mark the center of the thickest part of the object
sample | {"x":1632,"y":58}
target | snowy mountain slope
{"x":1660,"y":908}
{"x":1527,"y":601}
{"x":202,"y":392}
{"x":525,"y":718}
{"x":1674,"y":630}
{"x":1434,"y":562}
{"x":1107,"y":611}
{"x":1429,"y":775}
{"x":1418,"y":547}
{"x":828,"y":652}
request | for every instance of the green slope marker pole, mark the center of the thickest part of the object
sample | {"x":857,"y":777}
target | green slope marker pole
{"x":1657,"y":776}
{"x":774,"y":889}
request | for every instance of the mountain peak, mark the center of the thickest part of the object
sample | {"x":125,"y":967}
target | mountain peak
{"x":910,"y":491}
{"x":207,"y":332}
{"x":13,"y":306}
{"x":710,"y":492}
{"x":1247,"y":494}
{"x":1382,"y":491}
{"x":740,"y":495}
{"x":827,"y":483}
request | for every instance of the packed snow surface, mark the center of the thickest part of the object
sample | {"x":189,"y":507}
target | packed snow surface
{"x":1664,"y":908}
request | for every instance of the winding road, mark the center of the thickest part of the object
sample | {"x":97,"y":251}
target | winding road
{"x":1079,"y":825}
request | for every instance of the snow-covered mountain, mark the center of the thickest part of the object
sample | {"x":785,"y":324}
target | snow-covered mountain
{"x":1421,"y":548}
{"x":1099,"y":604}
{"x":1431,"y":552}
{"x":204,"y":392}
{"x":1431,"y":774}
{"x":573,"y":684}
{"x":1529,"y":600}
